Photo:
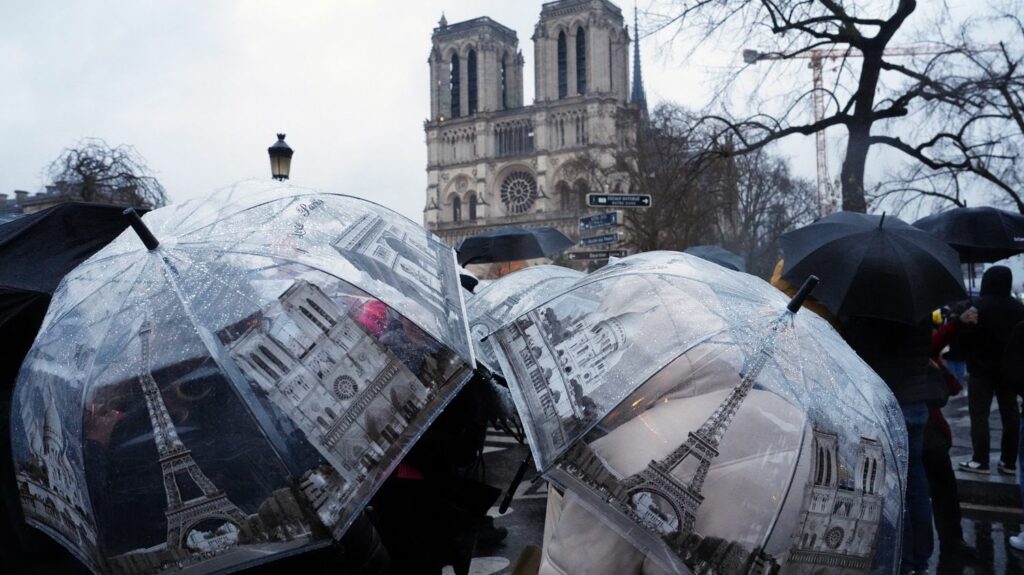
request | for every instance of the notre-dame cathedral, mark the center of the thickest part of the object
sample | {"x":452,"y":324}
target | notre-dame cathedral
{"x":493,"y":161}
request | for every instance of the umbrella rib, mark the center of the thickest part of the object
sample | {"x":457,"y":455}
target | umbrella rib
{"x":114,"y":279}
{"x":228,"y":368}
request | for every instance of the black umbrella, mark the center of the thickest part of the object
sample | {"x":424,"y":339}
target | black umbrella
{"x":720,"y":256}
{"x":873,"y":266}
{"x":36,"y":251}
{"x":512,"y":244}
{"x":979,"y":235}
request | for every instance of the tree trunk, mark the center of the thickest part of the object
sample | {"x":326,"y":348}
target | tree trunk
{"x":859,"y":128}
{"x":853,"y":168}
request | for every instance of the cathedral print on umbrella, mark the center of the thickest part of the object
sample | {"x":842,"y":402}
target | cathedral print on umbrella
{"x":714,"y":429}
{"x":239,"y":392}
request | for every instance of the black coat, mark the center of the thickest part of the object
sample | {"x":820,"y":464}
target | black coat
{"x":900,"y":354}
{"x":998,"y":313}
{"x":1013,"y":359}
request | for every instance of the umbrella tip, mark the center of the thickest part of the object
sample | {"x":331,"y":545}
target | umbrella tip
{"x":805,"y":290}
{"x":140,"y":228}
{"x":881,"y":221}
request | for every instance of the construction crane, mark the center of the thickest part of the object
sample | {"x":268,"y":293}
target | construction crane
{"x":828,"y":200}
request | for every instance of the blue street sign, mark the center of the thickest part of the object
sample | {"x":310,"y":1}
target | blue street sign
{"x":619,"y":200}
{"x":605,"y":220}
{"x":598,"y":240}
{"x":597,"y":255}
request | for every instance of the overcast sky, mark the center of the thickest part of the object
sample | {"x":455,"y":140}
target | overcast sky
{"x":200,"y":87}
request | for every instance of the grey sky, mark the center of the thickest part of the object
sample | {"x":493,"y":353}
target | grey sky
{"x":200,"y":88}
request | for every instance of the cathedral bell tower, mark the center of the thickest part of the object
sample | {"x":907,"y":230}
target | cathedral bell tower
{"x":475,"y":66}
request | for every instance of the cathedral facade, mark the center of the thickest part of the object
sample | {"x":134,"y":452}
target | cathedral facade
{"x":493,"y":161}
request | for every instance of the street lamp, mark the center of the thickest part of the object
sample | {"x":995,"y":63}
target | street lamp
{"x":280,"y":159}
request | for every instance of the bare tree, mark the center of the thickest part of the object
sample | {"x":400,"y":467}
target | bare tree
{"x":742,"y":202}
{"x":96,"y":172}
{"x":769,"y":201}
{"x":877,"y":83}
{"x":973,"y":105}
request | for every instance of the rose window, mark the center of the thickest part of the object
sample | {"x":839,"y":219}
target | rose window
{"x":834,"y":537}
{"x":345,"y":387}
{"x":518,"y":192}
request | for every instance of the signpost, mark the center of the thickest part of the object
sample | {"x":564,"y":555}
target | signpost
{"x":601,"y":239}
{"x":605,"y":220}
{"x":596,"y":255}
{"x":619,"y":200}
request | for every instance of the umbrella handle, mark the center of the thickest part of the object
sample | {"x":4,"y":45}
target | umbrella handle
{"x":140,"y":228}
{"x":507,"y":500}
{"x":805,"y":290}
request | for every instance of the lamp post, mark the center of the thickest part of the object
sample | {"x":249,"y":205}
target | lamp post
{"x":280,"y":159}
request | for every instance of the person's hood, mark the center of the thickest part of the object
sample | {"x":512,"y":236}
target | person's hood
{"x":997,"y":280}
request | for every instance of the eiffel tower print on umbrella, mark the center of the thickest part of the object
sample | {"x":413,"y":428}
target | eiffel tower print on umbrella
{"x":234,"y":388}
{"x":176,"y":460}
{"x":690,"y":408}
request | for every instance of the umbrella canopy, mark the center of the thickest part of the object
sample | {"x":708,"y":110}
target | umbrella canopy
{"x":720,"y":256}
{"x":702,"y":420}
{"x":979,"y":235}
{"x":212,"y":401}
{"x":509,"y":296}
{"x":36,"y":251}
{"x":512,"y":244}
{"x":873,"y":266}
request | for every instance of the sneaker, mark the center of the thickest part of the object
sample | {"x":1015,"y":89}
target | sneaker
{"x":1007,"y":469}
{"x":973,"y":467}
{"x":1017,"y":542}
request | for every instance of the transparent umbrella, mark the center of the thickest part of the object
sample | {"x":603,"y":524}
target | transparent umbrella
{"x":508,"y":297}
{"x":239,"y":391}
{"x":705,"y":422}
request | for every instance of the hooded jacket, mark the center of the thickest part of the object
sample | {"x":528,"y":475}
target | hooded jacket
{"x":998,"y":313}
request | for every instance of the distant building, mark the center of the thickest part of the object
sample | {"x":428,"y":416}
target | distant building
{"x":25,"y":203}
{"x":492,"y":160}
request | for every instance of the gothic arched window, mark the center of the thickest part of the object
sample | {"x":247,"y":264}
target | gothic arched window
{"x":472,"y":207}
{"x":456,"y":209}
{"x":471,"y":81}
{"x":273,"y":358}
{"x":563,"y":73}
{"x":455,"y":80}
{"x":581,"y":61}
{"x":503,"y":82}
{"x":316,"y":307}
{"x":565,"y":198}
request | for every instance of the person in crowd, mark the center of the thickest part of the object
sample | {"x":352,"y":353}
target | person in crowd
{"x":938,"y":439}
{"x":1013,"y":374}
{"x":984,"y":344}
{"x":901,"y":355}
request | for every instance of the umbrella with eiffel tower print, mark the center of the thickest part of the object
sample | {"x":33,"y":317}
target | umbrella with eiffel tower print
{"x":234,"y":387}
{"x":711,"y":427}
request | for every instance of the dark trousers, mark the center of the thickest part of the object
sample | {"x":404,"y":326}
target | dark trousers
{"x":980,"y":391}
{"x":942,"y":487}
{"x":917,"y":521}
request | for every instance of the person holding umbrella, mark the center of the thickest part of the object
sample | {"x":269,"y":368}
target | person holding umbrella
{"x":998,"y":312}
{"x":882,"y":277}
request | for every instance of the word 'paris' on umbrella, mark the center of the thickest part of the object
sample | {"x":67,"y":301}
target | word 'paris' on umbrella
{"x":238,"y":387}
{"x":512,"y":244}
{"x":696,"y":420}
{"x":720,"y":256}
{"x":979,"y":235}
{"x":873,"y":266}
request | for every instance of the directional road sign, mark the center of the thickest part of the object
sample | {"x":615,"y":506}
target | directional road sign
{"x":601,"y":239}
{"x":605,"y":220}
{"x":597,"y":255}
{"x":619,"y":200}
